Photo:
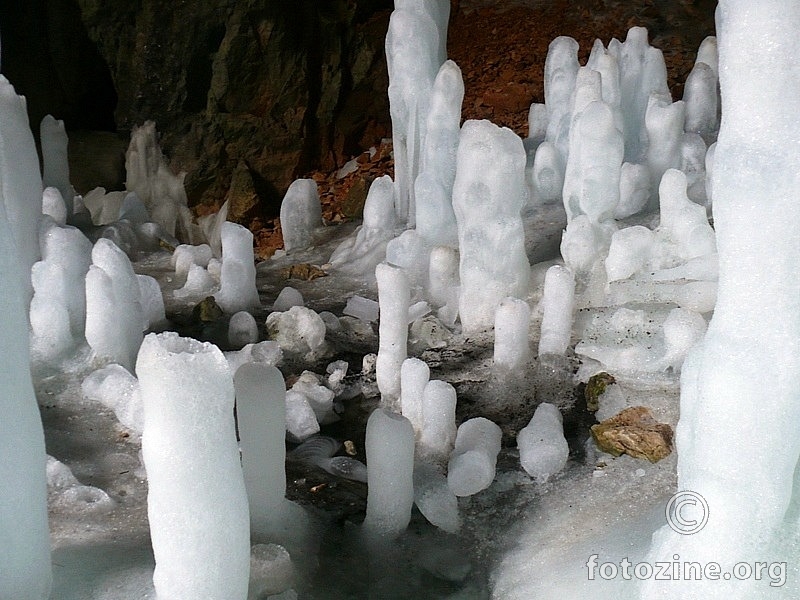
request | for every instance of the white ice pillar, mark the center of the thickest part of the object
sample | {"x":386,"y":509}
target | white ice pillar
{"x":24,"y":537}
{"x":558,"y":306}
{"x":511,"y":346}
{"x":390,"y":474}
{"x":414,"y":376}
{"x":197,"y":501}
{"x":474,"y":460}
{"x":394,"y":296}
{"x":238,"y":279}
{"x":55,"y":164}
{"x":747,"y":370}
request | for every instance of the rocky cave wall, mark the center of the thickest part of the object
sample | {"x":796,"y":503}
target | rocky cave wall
{"x":254,"y":91}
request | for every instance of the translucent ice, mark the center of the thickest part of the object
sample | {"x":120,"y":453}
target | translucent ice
{"x":434,"y":499}
{"x":414,"y":376}
{"x":438,"y":420}
{"x":301,"y":420}
{"x":267,"y":352}
{"x":301,"y":214}
{"x":114,"y":314}
{"x":297,"y":330}
{"x":55,"y":166}
{"x":361,"y":308}
{"x":557,"y":306}
{"x":242,"y":329}
{"x":238,"y":280}
{"x":152,"y":302}
{"x":186,"y":255}
{"x":390,"y":474}
{"x":543,"y":450}
{"x":53,"y":205}
{"x":488,"y":195}
{"x":511,"y":326}
{"x":287,"y":298}
{"x":474,"y":459}
{"x":192,"y":459}
{"x":25,"y":550}
{"x":319,"y":397}
{"x":664,"y":123}
{"x":394,"y":297}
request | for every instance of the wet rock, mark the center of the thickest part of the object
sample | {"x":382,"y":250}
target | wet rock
{"x":595,"y":387}
{"x":207,"y":311}
{"x":635,"y":432}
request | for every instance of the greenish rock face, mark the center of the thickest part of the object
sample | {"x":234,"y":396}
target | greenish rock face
{"x":283,"y":88}
{"x":595,"y":388}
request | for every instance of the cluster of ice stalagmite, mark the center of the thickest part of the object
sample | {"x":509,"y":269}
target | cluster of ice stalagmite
{"x":25,"y":547}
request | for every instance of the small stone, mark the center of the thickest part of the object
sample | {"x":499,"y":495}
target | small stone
{"x":350,"y":448}
{"x":304,"y":271}
{"x":635,"y":432}
{"x":595,"y":387}
{"x":207,"y":310}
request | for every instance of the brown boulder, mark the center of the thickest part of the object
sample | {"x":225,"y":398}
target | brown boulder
{"x":634,"y":431}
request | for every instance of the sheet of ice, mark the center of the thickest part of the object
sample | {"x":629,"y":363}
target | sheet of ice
{"x":414,"y":377}
{"x":297,"y":330}
{"x":287,"y":298}
{"x":25,"y":550}
{"x":511,"y":344}
{"x":114,"y":314}
{"x":543,"y":450}
{"x":238,"y":278}
{"x":434,"y":499}
{"x":390,"y":474}
{"x":361,"y":308}
{"x":242,"y":329}
{"x":394,"y":297}
{"x":558,"y":308}
{"x":192,"y":460}
{"x":474,"y":459}
{"x":114,"y":387}
{"x":301,"y":214}
{"x":438,"y":433}
{"x":20,"y":182}
{"x":488,"y":195}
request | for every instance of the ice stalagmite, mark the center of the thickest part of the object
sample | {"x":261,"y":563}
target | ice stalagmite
{"x":24,"y":537}
{"x":261,"y":414}
{"x":746,"y":372}
{"x":21,"y":184}
{"x":54,"y":159}
{"x":238,"y":280}
{"x":488,"y":195}
{"x":196,"y":503}
{"x":300,"y":214}
{"x":390,"y":474}
{"x":412,"y":50}
{"x":394,"y":297}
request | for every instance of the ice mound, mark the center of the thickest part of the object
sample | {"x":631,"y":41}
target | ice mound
{"x":267,"y":352}
{"x":543,"y":451}
{"x":434,"y":499}
{"x":271,"y":571}
{"x":238,"y":276}
{"x":186,"y":255}
{"x":114,"y":387}
{"x":287,"y":298}
{"x":474,"y":459}
{"x":67,"y":494}
{"x":319,"y":397}
{"x":199,"y":284}
{"x":242,"y":329}
{"x":298,"y":330}
{"x":300,"y":214}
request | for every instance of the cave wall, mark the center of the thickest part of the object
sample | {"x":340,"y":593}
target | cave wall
{"x":273,"y":87}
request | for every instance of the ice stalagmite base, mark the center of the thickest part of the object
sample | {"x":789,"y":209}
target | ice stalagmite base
{"x":747,"y":370}
{"x":196,"y":503}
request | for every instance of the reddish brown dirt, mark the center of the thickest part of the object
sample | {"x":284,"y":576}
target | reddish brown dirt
{"x":501,"y":46}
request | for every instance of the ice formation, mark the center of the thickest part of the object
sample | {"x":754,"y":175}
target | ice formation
{"x":114,"y":387}
{"x":242,"y":329}
{"x":474,"y":458}
{"x":25,"y":547}
{"x":55,"y":167}
{"x":192,"y":460}
{"x":746,"y":369}
{"x":238,"y":279}
{"x":300,"y":214}
{"x":390,"y":474}
{"x":488,"y":196}
{"x":511,"y":325}
{"x":114,"y":314}
{"x":438,"y":433}
{"x":557,"y":306}
{"x":414,"y":376}
{"x":434,"y":499}
{"x":543,"y":451}
{"x":394,"y":299}
{"x":287,"y":298}
{"x":261,"y":416}
{"x":298,"y":330}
